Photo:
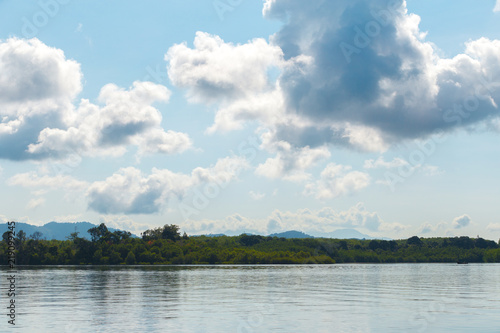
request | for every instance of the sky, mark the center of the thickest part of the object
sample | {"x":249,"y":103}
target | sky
{"x":232,"y":116}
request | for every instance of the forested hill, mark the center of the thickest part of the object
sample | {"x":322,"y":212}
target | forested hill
{"x":166,"y":246}
{"x":291,"y":234}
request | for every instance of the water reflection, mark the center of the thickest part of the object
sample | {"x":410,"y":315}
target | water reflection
{"x":344,"y":298}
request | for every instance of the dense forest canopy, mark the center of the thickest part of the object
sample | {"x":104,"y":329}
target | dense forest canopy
{"x":165,"y":245}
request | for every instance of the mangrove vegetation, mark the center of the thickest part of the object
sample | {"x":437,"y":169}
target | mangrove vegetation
{"x":167,"y":246}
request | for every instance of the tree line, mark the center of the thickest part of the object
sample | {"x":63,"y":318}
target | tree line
{"x":166,"y":245}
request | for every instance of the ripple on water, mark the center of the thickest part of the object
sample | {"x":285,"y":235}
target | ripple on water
{"x":344,"y":298}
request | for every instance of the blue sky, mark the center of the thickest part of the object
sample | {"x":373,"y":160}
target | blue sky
{"x":249,"y":116}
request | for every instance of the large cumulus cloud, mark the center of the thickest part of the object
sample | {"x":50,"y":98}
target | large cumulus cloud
{"x":357,"y":73}
{"x":39,"y":119}
{"x":352,"y":73}
{"x":337,"y":180}
{"x":37,"y":84}
{"x":233,"y":77}
{"x":32,"y":71}
{"x":127,"y":117}
{"x":129,"y":191}
{"x":370,"y":66}
{"x":214,"y":70}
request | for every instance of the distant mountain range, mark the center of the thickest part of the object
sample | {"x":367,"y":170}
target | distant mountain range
{"x":338,"y":234}
{"x":351,"y":234}
{"x":62,"y":230}
{"x":56,"y":230}
{"x":209,"y":235}
{"x":291,"y":234}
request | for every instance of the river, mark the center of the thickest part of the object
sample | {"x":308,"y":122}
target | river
{"x":331,"y":298}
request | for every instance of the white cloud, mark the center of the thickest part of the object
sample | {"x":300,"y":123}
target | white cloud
{"x":497,"y":7}
{"x":313,"y":222}
{"x":361,"y":137}
{"x":392,"y":228}
{"x":381,"y":163}
{"x":267,"y":107}
{"x":130,"y":192}
{"x":337,"y":180}
{"x":495,"y":125}
{"x":37,"y":85}
{"x":35,"y":203}
{"x":356,"y":216}
{"x":124,"y":223}
{"x":215,"y":70}
{"x":224,"y":171}
{"x":68,"y":218}
{"x":23,"y":219}
{"x":31,"y":71}
{"x":256,"y":195}
{"x":404,"y":168}
{"x":431,"y":170}
{"x":38,"y":119}
{"x":127,"y":118}
{"x":33,"y":180}
{"x":42,"y":184}
{"x":234,"y":77}
{"x":393,"y":86}
{"x":290,"y":163}
{"x":493,"y":227}
{"x":159,"y":141}
{"x":461,"y":221}
{"x":389,"y":83}
{"x":427,"y":228}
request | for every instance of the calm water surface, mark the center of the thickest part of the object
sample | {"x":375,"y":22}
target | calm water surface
{"x":336,"y":298}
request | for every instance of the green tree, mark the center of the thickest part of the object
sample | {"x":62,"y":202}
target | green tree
{"x":37,"y":235}
{"x":171,"y":232}
{"x":115,"y":258}
{"x":100,"y":233}
{"x":5,"y":236}
{"x":249,"y":240}
{"x":463,"y":242}
{"x":119,"y":236}
{"x":414,"y":241}
{"x":73,"y":236}
{"x":373,"y":245}
{"x":130,"y":259}
{"x":151,"y":234}
{"x":84,"y":250}
{"x":21,"y":236}
{"x":485,"y":244}
{"x":97,"y":258}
